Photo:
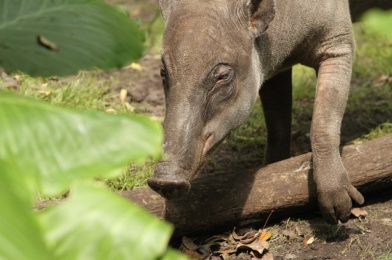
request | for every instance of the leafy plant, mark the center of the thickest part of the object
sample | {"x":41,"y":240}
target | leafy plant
{"x":46,"y":37}
{"x":44,"y":149}
{"x":58,"y":145}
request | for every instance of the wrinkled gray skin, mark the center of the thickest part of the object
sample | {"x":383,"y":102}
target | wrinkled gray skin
{"x":220,"y":55}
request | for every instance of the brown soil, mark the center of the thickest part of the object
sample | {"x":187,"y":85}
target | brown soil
{"x":145,"y":92}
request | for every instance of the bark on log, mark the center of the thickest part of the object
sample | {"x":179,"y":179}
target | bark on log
{"x":222,"y":199}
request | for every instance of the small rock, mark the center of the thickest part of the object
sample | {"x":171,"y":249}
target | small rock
{"x":289,"y":234}
{"x":290,"y":256}
{"x":9,"y":81}
{"x":386,"y":221}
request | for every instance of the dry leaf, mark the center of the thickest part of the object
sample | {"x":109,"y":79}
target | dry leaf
{"x":129,"y":107}
{"x":18,"y":77}
{"x":123,"y":95}
{"x":225,"y":256}
{"x":299,"y":232}
{"x":136,"y":66}
{"x":358,"y":212}
{"x":248,"y":237}
{"x":47,"y":44}
{"x":258,"y":246}
{"x":308,"y":241}
{"x":265,"y":235}
{"x":227,"y":251}
{"x":45,"y":93}
{"x":381,"y":80}
{"x":216,"y":239}
{"x":189,"y":244}
{"x":111,"y":111}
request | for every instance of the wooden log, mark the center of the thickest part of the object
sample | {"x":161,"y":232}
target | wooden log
{"x":223,"y":199}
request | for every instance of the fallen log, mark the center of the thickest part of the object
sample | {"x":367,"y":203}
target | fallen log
{"x":223,"y":199}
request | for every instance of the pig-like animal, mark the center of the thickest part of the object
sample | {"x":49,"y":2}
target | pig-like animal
{"x":220,"y":55}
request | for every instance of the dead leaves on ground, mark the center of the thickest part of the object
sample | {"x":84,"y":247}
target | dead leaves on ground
{"x":309,"y":240}
{"x":382,"y":80}
{"x":245,"y":243}
{"x":124,"y":100}
{"x":229,"y":245}
{"x":359,"y":212}
{"x":136,"y":67}
{"x":248,"y":243}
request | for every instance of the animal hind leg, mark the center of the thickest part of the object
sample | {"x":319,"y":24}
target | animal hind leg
{"x":276,"y":98}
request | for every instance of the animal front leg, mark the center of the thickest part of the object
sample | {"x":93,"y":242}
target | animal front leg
{"x":334,"y":188}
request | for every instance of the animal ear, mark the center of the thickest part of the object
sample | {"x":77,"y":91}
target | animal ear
{"x":261,"y":13}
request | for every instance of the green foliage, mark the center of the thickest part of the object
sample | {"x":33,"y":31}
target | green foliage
{"x":379,"y":23}
{"x":374,"y":52}
{"x":97,"y":224}
{"x":172,"y":254}
{"x":46,"y":148}
{"x":44,"y":37}
{"x":20,"y":235}
{"x":59,"y":146}
{"x":379,"y":131}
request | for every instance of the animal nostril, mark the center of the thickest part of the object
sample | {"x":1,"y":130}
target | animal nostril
{"x":169,"y":189}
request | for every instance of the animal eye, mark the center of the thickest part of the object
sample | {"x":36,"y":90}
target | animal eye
{"x":223,"y":74}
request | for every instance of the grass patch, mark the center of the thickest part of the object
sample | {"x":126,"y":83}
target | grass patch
{"x":87,"y":91}
{"x":135,"y":176}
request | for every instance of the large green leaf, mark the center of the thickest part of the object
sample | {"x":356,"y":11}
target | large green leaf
{"x":97,"y":224}
{"x":59,"y":37}
{"x":20,"y":236}
{"x":53,"y":146}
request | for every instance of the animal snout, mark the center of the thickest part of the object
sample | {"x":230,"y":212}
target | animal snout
{"x":169,"y":181}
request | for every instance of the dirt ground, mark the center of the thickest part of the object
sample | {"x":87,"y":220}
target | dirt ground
{"x":364,"y":237}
